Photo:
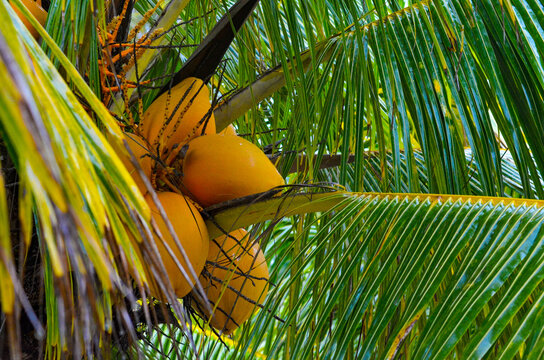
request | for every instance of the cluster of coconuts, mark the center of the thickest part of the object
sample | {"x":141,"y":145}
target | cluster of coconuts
{"x":179,"y":138}
{"x":214,"y":168}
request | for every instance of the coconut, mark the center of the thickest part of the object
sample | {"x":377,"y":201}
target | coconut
{"x":218,"y":168}
{"x":36,"y":9}
{"x":192,"y":234}
{"x":179,"y":115}
{"x":229,"y":130}
{"x":235,"y":280}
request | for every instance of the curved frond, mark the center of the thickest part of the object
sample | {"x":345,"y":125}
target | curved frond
{"x":410,"y":276}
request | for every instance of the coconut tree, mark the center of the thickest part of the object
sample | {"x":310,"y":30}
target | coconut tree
{"x":409,"y":134}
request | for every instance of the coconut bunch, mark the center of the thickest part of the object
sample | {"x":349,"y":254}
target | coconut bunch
{"x":192,"y":167}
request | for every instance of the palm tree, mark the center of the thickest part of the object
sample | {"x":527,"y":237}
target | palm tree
{"x":410,"y":134}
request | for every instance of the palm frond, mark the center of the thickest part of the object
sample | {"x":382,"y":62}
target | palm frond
{"x":378,"y":179}
{"x":431,"y":76}
{"x":90,"y":217}
{"x":404,"y":276}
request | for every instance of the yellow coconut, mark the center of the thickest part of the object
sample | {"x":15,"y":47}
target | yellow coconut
{"x":236,"y":272}
{"x":192,"y":234}
{"x":176,"y":116}
{"x":36,"y":9}
{"x":218,"y":168}
{"x":229,"y":130}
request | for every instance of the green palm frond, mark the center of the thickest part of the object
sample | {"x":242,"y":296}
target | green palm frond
{"x":374,"y":180}
{"x":385,"y":275}
{"x":424,"y":76}
{"x":88,"y":211}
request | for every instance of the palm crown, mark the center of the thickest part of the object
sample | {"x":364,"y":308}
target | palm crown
{"x":409,"y":132}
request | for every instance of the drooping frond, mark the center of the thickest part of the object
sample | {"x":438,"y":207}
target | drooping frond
{"x":91,"y":224}
{"x":396,"y":275}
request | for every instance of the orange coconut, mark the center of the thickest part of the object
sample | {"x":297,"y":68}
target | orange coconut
{"x":218,"y":168}
{"x":36,"y":9}
{"x":140,"y":151}
{"x":192,"y":234}
{"x":193,"y":99}
{"x":229,"y":130}
{"x":241,"y":270}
